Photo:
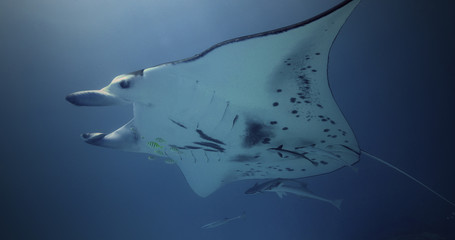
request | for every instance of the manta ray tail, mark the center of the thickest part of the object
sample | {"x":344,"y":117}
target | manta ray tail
{"x":409,"y":176}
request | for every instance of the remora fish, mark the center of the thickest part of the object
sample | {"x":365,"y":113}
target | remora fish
{"x":259,"y":188}
{"x":281,"y":189}
{"x":223,"y":221}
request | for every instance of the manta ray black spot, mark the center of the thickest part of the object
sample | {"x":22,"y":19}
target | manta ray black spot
{"x":317,"y":53}
{"x":275,"y":104}
{"x":178,"y":124}
{"x":324,"y":162}
{"x":288,"y":64}
{"x":314,"y":70}
{"x":208,"y":138}
{"x":332,"y":122}
{"x":254,"y":133}
{"x":322,"y":141}
{"x":292,"y":99}
{"x":243,"y":158}
{"x":209,"y":150}
{"x":285,"y":128}
{"x":303,"y":169}
{"x":273,"y":122}
{"x":211,"y":145}
{"x":319,"y":105}
{"x":290,"y":169}
{"x":192,"y":147}
{"x":342,"y":132}
{"x":294,"y":112}
{"x":326,"y":130}
{"x":280,"y":170}
{"x":278,"y":90}
{"x":235,"y":120}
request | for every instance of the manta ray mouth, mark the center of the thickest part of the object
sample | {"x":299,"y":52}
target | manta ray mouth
{"x":94,"y":98}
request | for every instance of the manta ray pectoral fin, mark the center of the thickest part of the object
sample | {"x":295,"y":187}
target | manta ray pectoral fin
{"x":94,"y":98}
{"x":233,"y":98}
{"x":205,"y":177}
{"x":125,"y":138}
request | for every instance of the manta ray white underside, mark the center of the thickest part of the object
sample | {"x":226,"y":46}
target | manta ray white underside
{"x":254,"y":107}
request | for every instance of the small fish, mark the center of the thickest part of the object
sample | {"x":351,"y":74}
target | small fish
{"x":154,"y":144}
{"x":222,"y":221}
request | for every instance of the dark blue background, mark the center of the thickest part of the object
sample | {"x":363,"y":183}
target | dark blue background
{"x":391,"y":72}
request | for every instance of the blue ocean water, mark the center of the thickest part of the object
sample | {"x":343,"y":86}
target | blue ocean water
{"x":390,"y":71}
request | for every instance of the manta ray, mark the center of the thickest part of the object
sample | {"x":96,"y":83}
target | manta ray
{"x":253,"y":107}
